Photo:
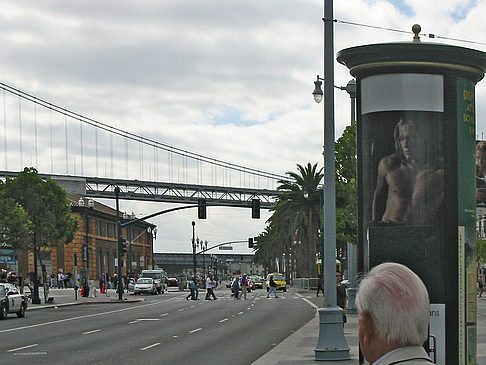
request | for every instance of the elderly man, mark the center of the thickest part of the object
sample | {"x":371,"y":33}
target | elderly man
{"x":393,"y":307}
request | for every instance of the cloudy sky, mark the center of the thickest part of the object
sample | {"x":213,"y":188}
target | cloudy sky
{"x":226,"y":79}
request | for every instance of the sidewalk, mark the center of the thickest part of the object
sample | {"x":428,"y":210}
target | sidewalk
{"x":66,"y":297}
{"x":299,"y":347}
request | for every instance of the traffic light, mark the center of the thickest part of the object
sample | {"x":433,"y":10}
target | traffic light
{"x":255,"y":208}
{"x":250,"y":242}
{"x":201,"y":209}
{"x":123,"y":246}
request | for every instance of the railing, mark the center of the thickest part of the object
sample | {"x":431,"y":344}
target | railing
{"x":305,"y":283}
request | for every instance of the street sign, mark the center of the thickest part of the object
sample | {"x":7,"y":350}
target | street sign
{"x":4,"y":251}
{"x":226,"y":248}
{"x":85,"y":252}
{"x":8,"y":260}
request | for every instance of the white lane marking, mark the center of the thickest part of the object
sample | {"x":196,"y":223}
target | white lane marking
{"x":223,"y":320}
{"x":150,"y":346}
{"x":180,"y":310}
{"x":89,"y":332}
{"x":240,"y":313}
{"x":307,"y":300}
{"x":164,"y":314}
{"x":168,"y":300}
{"x":135,"y":321}
{"x":197,"y":329}
{"x":75,"y":318}
{"x":192,"y":306}
{"x":22,"y":348}
{"x":147,"y":319}
{"x":174,"y":336}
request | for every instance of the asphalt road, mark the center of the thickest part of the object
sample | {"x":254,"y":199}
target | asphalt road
{"x":165,"y":329}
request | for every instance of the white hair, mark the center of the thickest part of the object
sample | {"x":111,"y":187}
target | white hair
{"x":397,"y":301}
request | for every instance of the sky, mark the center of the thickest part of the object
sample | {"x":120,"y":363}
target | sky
{"x":227,"y":79}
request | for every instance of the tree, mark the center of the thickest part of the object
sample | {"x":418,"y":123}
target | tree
{"x":14,"y":223}
{"x":48,"y":212}
{"x":46,"y":206}
{"x":297,"y":214}
{"x":346,"y":188}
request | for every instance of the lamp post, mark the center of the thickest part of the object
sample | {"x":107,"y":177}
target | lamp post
{"x":35,"y":296}
{"x":331,"y":344}
{"x":194,"y":248}
{"x":86,"y":212}
{"x":153,"y":233}
{"x":204,"y":247}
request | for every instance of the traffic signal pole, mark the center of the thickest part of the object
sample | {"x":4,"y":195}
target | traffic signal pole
{"x":119,"y":249}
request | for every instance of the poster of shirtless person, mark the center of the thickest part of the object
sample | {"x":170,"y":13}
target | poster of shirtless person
{"x":402,"y":161}
{"x":481,"y":173}
{"x":409,"y":185}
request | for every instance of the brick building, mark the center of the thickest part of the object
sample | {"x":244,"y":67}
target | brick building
{"x":97,"y":233}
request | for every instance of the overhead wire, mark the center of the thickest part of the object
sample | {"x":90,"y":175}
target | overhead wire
{"x":428,"y":35}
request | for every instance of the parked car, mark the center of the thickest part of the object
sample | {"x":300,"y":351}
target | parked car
{"x":131,"y":285}
{"x":279,"y":280}
{"x":145,"y":285}
{"x":11,"y":301}
{"x":258,"y":282}
{"x":173,"y":282}
{"x":159,"y":278}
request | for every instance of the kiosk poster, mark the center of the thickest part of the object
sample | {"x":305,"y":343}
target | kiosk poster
{"x":402,"y":175}
{"x":467,"y":218}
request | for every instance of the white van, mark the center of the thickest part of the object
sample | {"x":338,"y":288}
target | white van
{"x":159,"y":278}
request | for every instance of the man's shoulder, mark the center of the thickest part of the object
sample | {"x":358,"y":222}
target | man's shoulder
{"x":410,"y":355}
{"x":390,"y":162}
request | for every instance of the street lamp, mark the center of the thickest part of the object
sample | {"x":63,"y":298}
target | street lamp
{"x":153,"y":233}
{"x":86,"y":212}
{"x":331,"y":344}
{"x":350,"y":88}
{"x":204,"y":247}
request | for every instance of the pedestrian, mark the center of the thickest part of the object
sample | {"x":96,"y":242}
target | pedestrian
{"x":210,"y":288}
{"x":320,"y":286}
{"x":341,"y":298}
{"x":393,"y":311}
{"x":272,"y":287}
{"x":60,"y":280}
{"x":244,"y":286}
{"x":101,"y":281}
{"x":192,"y":287}
{"x":196,"y":288}
{"x":53,"y":280}
{"x":235,"y":287}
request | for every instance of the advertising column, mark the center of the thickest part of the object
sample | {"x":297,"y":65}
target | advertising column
{"x":416,"y":177}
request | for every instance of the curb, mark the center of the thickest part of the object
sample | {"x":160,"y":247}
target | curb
{"x":112,"y":301}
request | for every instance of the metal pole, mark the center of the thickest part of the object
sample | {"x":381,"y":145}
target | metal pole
{"x":118,"y":233}
{"x":194,"y":248}
{"x":130,"y":269}
{"x":35,"y":296}
{"x":352,"y":251}
{"x":331,"y":344}
{"x":86,"y":220}
{"x":204,"y":260}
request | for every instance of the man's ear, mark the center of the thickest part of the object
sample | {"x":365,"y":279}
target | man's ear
{"x":366,"y":328}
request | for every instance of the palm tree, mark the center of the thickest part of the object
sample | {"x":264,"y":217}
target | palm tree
{"x":297,"y":215}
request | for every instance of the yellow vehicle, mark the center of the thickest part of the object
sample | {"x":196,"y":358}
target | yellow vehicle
{"x":319,"y":266}
{"x":279,"y":280}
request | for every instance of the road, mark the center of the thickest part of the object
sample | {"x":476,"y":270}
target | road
{"x":165,"y":329}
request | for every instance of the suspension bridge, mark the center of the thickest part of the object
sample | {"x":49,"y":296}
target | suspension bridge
{"x":89,"y":157}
